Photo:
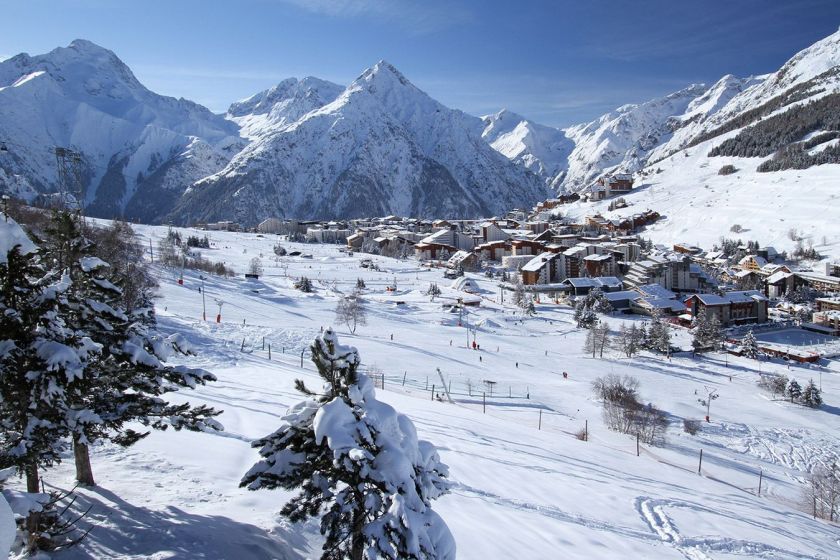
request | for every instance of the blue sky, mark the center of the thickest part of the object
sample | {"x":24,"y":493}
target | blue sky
{"x":556,"y":62}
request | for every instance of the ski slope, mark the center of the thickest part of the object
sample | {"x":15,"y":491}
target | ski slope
{"x":523,"y":485}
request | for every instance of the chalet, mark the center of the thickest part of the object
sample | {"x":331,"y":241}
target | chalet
{"x":433,"y":251}
{"x":355,"y":241}
{"x":618,"y":184}
{"x":771,"y":268}
{"x":463,"y":260}
{"x":582,"y":286}
{"x":752,"y":262}
{"x":730,"y":308}
{"x":778,"y":284}
{"x":655,"y":299}
{"x":622,"y":300}
{"x":832,"y":269}
{"x":526,"y":247}
{"x":687,"y":249}
{"x":747,"y":279}
{"x":493,"y":250}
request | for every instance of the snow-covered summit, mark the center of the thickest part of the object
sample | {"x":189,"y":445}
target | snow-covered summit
{"x":622,"y":139}
{"x":382,"y":146}
{"x":281,"y":105}
{"x":542,"y":149}
{"x":139,"y":149}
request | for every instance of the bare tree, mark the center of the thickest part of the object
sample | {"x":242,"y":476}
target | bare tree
{"x":351,"y":311}
{"x":255,"y":266}
{"x":823,"y":492}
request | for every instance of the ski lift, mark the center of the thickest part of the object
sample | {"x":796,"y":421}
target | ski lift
{"x":3,"y":147}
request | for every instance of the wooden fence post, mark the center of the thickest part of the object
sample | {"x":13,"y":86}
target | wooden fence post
{"x":433,"y":391}
{"x":269,"y":351}
{"x":760,"y":476}
{"x":700,"y":464}
{"x":404,"y":374}
{"x":484,"y":403}
{"x":539,"y":426}
{"x":638,"y":449}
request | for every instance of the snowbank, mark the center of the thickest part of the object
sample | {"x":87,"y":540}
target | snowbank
{"x":7,"y":527}
{"x":12,"y":234}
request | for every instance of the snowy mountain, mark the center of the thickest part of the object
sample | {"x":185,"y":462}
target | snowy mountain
{"x":777,"y":136}
{"x":542,"y":149}
{"x":139,"y":149}
{"x":622,"y":139}
{"x":381,"y":147}
{"x":282,"y":104}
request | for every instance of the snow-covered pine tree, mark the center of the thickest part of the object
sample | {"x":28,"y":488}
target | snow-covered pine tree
{"x":518,"y":291}
{"x":706,"y":331}
{"x":38,"y":359}
{"x":811,"y":396}
{"x":125,"y":380}
{"x":793,"y":390}
{"x":358,"y":464}
{"x":528,"y":307}
{"x":715,"y":332}
{"x":659,"y":336}
{"x":749,"y":346}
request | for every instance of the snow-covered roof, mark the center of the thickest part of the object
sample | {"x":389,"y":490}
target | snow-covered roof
{"x":745,"y":296}
{"x":778,"y":276}
{"x":624,"y":294}
{"x":598,"y":282}
{"x":459,"y":257}
{"x":656,"y":291}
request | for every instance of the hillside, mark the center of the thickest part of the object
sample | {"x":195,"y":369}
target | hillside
{"x":523,"y":485}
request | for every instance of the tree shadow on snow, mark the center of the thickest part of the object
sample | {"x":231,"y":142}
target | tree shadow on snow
{"x":123,"y":530}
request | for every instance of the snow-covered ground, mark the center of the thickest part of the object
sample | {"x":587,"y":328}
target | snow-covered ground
{"x":699,"y":206}
{"x":523,"y":485}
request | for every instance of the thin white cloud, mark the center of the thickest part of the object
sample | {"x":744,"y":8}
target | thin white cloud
{"x":417,"y":17}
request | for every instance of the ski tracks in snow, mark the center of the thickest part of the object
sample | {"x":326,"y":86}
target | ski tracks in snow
{"x":652,"y":512}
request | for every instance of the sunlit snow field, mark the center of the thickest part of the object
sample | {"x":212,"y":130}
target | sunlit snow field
{"x":523,"y":485}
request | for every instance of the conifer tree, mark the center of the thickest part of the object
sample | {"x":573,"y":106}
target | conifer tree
{"x":357,"y":464}
{"x":35,"y":368}
{"x":126,"y":379}
{"x":749,"y":346}
{"x":794,"y":390}
{"x":811,"y":395}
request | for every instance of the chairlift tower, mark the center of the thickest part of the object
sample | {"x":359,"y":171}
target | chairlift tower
{"x":69,"y":163}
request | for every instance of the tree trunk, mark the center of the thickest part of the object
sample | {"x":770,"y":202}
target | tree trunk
{"x":358,"y":544}
{"x":84,"y":472}
{"x":33,"y":521}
